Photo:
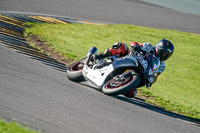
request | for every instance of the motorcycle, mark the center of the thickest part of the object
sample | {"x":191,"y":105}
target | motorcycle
{"x":115,"y":75}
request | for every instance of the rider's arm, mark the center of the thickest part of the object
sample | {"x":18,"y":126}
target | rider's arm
{"x":147,"y":47}
{"x":144,"y":47}
{"x":136,"y":44}
{"x":160,"y":70}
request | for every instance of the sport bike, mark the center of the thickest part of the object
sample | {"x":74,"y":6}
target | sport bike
{"x":115,"y":75}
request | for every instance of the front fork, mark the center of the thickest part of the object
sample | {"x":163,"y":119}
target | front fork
{"x":124,"y":75}
{"x":91,"y":52}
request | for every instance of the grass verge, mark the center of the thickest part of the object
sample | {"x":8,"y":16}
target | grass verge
{"x":12,"y":127}
{"x":177,"y":89}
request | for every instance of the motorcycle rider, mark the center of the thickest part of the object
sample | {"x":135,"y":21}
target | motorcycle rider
{"x":163,"y":50}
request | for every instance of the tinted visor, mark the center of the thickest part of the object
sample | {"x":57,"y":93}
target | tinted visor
{"x":165,"y":55}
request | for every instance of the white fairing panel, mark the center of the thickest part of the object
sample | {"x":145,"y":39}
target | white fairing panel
{"x":97,"y":76}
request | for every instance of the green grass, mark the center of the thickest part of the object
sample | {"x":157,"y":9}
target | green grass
{"x":177,"y":89}
{"x":13,"y":127}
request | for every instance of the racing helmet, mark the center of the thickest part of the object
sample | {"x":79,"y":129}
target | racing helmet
{"x":164,"y":49}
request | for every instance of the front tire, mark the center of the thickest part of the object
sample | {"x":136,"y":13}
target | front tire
{"x":74,"y":73}
{"x":112,"y":88}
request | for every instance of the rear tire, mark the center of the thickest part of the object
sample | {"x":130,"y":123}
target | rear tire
{"x":74,"y":73}
{"x":110,"y":89}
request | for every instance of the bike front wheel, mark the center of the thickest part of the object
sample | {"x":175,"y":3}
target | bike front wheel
{"x":115,"y":86}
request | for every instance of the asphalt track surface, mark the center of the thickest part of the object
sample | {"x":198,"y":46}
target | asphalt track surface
{"x":41,"y":97}
{"x":116,"y":11}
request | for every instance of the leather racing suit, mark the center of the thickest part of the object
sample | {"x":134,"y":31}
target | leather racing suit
{"x":121,"y":49}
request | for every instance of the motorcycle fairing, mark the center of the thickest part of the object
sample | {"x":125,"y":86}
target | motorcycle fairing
{"x":97,"y":76}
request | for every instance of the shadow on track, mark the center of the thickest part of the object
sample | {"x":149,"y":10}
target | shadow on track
{"x":141,"y":103}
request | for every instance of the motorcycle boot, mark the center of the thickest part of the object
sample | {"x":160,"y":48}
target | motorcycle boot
{"x":131,"y":94}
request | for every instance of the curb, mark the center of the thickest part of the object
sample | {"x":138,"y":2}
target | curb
{"x":12,"y":29}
